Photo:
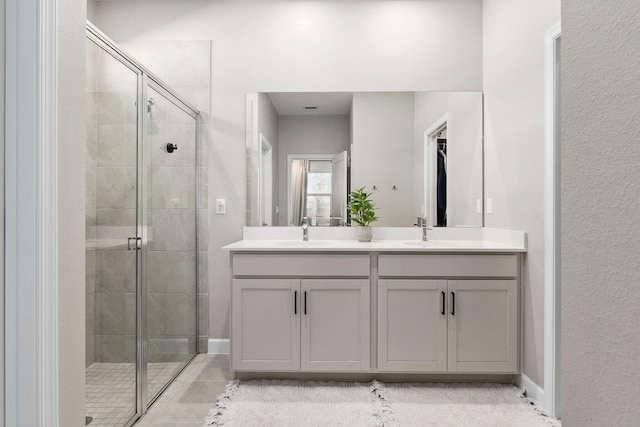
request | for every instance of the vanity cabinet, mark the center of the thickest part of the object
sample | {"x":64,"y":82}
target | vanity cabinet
{"x":297,"y":323}
{"x":448,"y":313}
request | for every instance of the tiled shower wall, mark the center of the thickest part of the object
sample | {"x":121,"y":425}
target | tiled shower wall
{"x":111,"y":208}
{"x":186,"y":67}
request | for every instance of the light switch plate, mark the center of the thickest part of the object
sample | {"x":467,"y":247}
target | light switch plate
{"x":221,"y":206}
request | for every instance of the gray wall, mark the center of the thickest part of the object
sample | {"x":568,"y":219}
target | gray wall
{"x":307,"y":135}
{"x":464,"y":152}
{"x":268,"y":126}
{"x":2,"y":208}
{"x":514,"y":145}
{"x":277,"y":46}
{"x":382,"y":130}
{"x":600,"y":205}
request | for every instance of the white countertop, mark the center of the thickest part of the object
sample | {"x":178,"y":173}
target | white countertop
{"x":401,"y":239}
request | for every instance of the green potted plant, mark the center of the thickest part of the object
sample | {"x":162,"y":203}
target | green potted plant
{"x":362,"y":212}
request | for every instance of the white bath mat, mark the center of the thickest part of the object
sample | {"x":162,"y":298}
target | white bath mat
{"x":460,"y":405}
{"x":281,"y":403}
{"x":264,"y":403}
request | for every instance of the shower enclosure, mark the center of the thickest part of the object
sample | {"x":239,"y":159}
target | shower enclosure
{"x":141,"y":238}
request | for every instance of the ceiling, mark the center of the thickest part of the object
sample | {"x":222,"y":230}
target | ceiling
{"x":328,"y":103}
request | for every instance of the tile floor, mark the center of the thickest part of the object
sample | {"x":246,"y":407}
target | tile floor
{"x":111,"y":390}
{"x":188,"y":400}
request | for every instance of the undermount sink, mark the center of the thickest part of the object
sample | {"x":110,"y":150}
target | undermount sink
{"x":301,"y":244}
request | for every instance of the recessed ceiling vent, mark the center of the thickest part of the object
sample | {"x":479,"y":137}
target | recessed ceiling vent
{"x":311,"y":107}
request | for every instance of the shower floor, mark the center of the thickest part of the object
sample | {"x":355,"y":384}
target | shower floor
{"x":111,"y":389}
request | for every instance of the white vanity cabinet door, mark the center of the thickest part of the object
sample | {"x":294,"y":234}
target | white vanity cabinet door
{"x":483,"y":323}
{"x":265,"y":326}
{"x":412,"y":325}
{"x":335,"y":325}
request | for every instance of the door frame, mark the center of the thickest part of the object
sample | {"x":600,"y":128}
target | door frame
{"x":31,"y":221}
{"x":430,"y":164}
{"x":552,"y":281}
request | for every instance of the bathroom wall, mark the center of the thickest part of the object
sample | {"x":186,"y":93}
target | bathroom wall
{"x":383,"y":127}
{"x":600,"y":156}
{"x":464,"y":152}
{"x":513,"y":48}
{"x":308,"y":135}
{"x":283,"y":46}
{"x":268,"y":126}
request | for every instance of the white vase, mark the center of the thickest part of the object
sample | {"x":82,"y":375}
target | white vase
{"x":364,"y":233}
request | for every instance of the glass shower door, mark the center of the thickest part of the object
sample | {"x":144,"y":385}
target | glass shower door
{"x":111,"y":256}
{"x":170,"y":239}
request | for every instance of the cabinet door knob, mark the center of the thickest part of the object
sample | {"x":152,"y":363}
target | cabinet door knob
{"x":453,"y":303}
{"x":444,"y":296}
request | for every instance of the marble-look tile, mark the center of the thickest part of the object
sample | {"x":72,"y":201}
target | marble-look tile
{"x":158,"y":187}
{"x":158,"y":230}
{"x":110,"y":348}
{"x":90,"y":349}
{"x":180,"y":187}
{"x":189,"y":62}
{"x":196,"y":94}
{"x":90,"y":355}
{"x":203,"y":229}
{"x":156,"y":270}
{"x":130,"y":348}
{"x":185,"y":137}
{"x":181,"y":318}
{"x":110,"y":271}
{"x":203,"y":344}
{"x":110,"y":70}
{"x":110,"y":188}
{"x":153,"y":54}
{"x":91,"y":108}
{"x":203,"y":270}
{"x":181,"y":272}
{"x":130,"y":188}
{"x":110,"y":110}
{"x":203,"y":314}
{"x":92,"y":144}
{"x":110,"y":314}
{"x":130,"y":145}
{"x":204,"y":136}
{"x":179,"y":232}
{"x":90,"y":220}
{"x":159,"y":137}
{"x":111,"y":145}
{"x":203,"y":188}
{"x":157,"y":314}
{"x":130,"y":311}
{"x":130,"y":272}
{"x":110,"y":217}
{"x":90,"y":187}
{"x":90,"y":272}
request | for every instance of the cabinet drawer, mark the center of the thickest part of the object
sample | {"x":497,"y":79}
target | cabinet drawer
{"x":406,"y":265}
{"x":303,"y":265}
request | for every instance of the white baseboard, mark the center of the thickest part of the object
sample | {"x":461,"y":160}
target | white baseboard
{"x":219,"y":346}
{"x":533,"y":390}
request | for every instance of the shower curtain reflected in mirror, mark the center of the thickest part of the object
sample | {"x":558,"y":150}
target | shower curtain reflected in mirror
{"x":298,"y":191}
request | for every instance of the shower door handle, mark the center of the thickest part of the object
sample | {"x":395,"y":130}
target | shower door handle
{"x":137,"y":245}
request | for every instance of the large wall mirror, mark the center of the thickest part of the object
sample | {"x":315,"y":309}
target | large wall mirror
{"x":420,"y":154}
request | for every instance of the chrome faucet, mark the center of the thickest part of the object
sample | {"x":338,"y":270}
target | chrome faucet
{"x":305,"y":229}
{"x":423,"y":222}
